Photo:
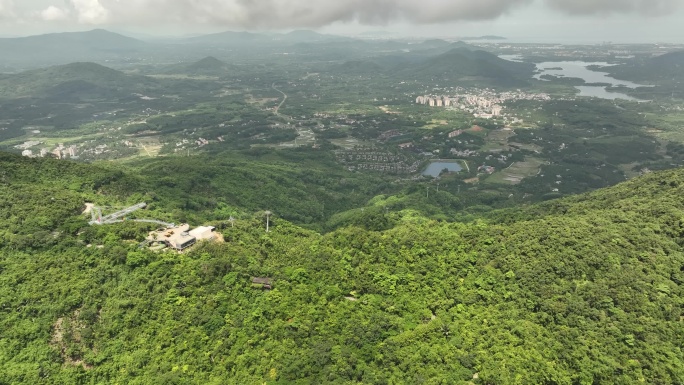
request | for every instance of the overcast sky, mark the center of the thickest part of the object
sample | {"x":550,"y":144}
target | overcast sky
{"x":525,"y":20}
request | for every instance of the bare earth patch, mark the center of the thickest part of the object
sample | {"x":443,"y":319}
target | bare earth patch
{"x":57,"y":340}
{"x":88,"y":208}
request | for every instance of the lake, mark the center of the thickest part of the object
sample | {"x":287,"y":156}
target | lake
{"x":603,"y":93}
{"x":515,"y":58}
{"x":578,"y":69}
{"x":436,"y":167}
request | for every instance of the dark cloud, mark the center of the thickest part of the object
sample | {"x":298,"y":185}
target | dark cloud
{"x":280,"y":14}
{"x":604,"y":7}
{"x":305,"y":13}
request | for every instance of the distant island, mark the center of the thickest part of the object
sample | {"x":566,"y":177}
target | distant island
{"x":376,"y":33}
{"x":486,"y":37}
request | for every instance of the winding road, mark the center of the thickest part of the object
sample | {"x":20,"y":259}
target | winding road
{"x":281,"y":103}
{"x":300,"y":132}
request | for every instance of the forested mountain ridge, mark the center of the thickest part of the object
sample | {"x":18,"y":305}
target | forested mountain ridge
{"x":467,"y":64}
{"x":667,"y":68}
{"x":460,"y":61}
{"x":581,"y":290}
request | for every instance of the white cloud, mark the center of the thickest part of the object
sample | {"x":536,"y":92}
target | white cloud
{"x":53,"y":13}
{"x":7,"y":10}
{"x":90,"y":11}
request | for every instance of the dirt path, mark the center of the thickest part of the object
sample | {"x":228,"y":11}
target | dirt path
{"x":145,"y":148}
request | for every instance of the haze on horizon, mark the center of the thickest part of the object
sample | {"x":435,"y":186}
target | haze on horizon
{"x":588,"y":21}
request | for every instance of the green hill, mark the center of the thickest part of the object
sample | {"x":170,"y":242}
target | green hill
{"x":208,"y":66}
{"x":358,"y":67}
{"x":435,"y":43}
{"x":70,"y":80}
{"x":585,"y":290}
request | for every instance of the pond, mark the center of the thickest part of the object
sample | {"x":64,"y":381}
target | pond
{"x":436,"y":167}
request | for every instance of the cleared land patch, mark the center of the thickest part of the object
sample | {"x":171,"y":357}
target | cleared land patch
{"x":517,"y":171}
{"x":497,"y":141}
{"x":434,"y":123}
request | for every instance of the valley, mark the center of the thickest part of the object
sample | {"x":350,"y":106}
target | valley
{"x":518,"y":136}
{"x":325,"y":209}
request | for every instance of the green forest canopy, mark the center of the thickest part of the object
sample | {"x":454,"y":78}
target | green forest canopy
{"x":583,"y":290}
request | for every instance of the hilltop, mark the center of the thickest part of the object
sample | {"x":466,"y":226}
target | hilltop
{"x":587,"y":289}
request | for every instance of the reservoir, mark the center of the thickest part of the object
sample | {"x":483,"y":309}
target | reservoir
{"x":578,"y":69}
{"x":436,"y":167}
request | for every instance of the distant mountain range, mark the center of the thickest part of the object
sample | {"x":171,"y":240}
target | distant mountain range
{"x":103,"y":46}
{"x":431,"y":60}
{"x":230,"y":38}
{"x":68,"y":47}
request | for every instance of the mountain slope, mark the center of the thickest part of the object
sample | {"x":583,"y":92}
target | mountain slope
{"x":588,"y":291}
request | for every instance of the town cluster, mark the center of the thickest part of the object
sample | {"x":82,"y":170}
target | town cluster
{"x":59,"y":152}
{"x":377,"y":161}
{"x":481,"y":103}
